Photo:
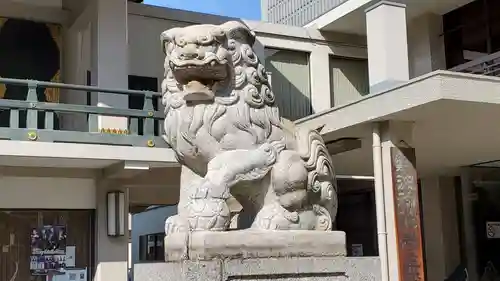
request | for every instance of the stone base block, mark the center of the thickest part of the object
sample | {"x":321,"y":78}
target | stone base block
{"x":246,"y":244}
{"x":263,"y":269}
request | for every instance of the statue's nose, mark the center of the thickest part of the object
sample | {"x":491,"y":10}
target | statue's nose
{"x":189,"y":52}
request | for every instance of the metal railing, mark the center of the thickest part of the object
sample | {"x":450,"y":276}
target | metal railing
{"x":34,"y":120}
{"x":487,"y":65}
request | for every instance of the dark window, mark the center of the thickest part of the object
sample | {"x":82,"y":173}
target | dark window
{"x":143,"y":83}
{"x":151,"y":247}
{"x":471,"y":31}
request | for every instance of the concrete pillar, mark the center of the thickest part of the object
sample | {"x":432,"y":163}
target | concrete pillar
{"x":441,"y":230}
{"x":468,"y":223}
{"x":387,"y":45}
{"x":426,"y":45}
{"x":111,"y":253}
{"x":110,"y":58}
{"x":319,"y":61}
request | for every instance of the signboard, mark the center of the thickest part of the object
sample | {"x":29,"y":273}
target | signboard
{"x":407,"y":214}
{"x":493,"y":230}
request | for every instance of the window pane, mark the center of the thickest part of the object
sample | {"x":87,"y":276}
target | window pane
{"x":349,"y":80}
{"x":160,"y":250}
{"x":143,"y":246}
{"x":290,"y":80}
{"x":466,"y":33}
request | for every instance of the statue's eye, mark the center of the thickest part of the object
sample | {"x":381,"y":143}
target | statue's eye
{"x":204,"y":39}
{"x":219,"y":34}
{"x":181,"y":42}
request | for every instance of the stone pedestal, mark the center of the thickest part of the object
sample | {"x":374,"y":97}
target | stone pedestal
{"x":258,"y":255}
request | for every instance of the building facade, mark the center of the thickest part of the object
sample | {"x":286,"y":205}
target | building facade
{"x":432,"y":82}
{"x":80,"y":127}
{"x":81,"y":147}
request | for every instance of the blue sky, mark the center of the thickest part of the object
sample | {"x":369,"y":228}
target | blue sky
{"x":246,"y":9}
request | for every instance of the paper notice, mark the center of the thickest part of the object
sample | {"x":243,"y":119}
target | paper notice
{"x":70,"y":256}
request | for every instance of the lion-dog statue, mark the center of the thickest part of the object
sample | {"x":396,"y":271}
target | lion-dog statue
{"x":225,"y":128}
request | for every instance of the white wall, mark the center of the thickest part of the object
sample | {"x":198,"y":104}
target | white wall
{"x":76,"y":63}
{"x":440,"y":223}
{"x":47,"y":193}
{"x":44,"y":3}
{"x":145,"y":54}
{"x":425,"y":45}
{"x":149,"y":222}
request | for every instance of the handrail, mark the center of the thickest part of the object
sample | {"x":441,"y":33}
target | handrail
{"x":75,"y":108}
{"x":75,"y":87}
{"x":476,"y":62}
{"x":35,"y":120}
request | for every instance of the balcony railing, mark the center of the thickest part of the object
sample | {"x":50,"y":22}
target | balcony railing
{"x":487,"y":65}
{"x":32,"y":120}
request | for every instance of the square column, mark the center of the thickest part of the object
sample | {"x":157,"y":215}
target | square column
{"x":110,"y":58}
{"x":111,"y":253}
{"x":439,"y":210}
{"x":387,"y":45}
{"x":320,"y":79}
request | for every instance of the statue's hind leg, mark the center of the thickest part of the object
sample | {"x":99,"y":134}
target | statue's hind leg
{"x":287,"y":195}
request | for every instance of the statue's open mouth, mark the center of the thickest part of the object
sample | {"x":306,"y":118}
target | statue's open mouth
{"x":200,"y":81}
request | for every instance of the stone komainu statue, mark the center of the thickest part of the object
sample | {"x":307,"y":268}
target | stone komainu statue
{"x":223,"y":124}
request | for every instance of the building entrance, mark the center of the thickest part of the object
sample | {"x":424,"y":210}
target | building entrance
{"x":46,"y":245}
{"x":486,"y":220}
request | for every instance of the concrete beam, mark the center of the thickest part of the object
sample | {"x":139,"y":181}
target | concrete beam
{"x":83,"y":19}
{"x":46,"y":172}
{"x":125,"y":169}
{"x":33,"y":12}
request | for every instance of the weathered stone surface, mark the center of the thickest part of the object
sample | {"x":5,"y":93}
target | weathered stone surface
{"x":226,"y":130}
{"x":263,"y":269}
{"x":239,"y":157}
{"x":245,"y":244}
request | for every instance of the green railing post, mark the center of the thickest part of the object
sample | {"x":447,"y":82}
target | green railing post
{"x":149,"y":123}
{"x":32,"y":112}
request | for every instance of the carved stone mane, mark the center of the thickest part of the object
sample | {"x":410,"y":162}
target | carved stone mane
{"x":240,"y":86}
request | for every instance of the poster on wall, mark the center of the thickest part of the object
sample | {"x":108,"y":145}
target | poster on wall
{"x":48,"y":250}
{"x":48,"y":265}
{"x":48,"y":240}
{"x":74,"y":274}
{"x":493,"y":230}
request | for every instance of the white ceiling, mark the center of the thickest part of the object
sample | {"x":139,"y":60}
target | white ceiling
{"x":447,"y":135}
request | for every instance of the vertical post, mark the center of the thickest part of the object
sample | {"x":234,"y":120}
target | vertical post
{"x":111,"y":252}
{"x":148,"y":122}
{"x":110,"y":58}
{"x":32,"y":114}
{"x":387,"y":45}
{"x":379,"y":202}
{"x":320,"y":79}
{"x":468,"y":223}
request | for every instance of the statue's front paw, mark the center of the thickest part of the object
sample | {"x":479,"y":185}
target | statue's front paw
{"x":175,"y":224}
{"x":208,"y":215}
{"x":270,"y":152}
